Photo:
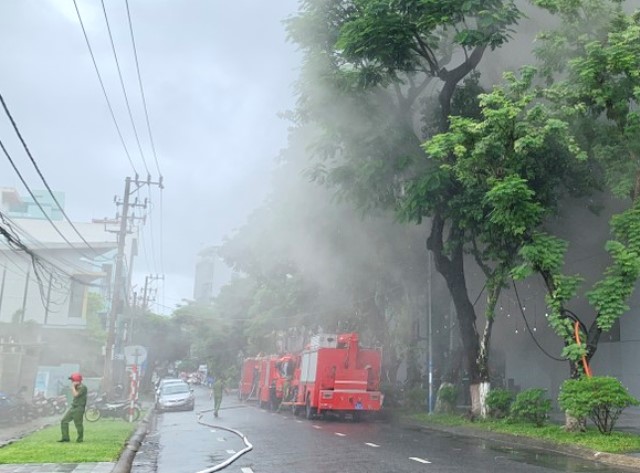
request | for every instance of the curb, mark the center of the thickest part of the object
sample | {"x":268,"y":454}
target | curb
{"x":125,"y":461}
{"x":615,"y":459}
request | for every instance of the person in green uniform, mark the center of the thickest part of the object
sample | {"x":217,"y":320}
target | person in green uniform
{"x":219,"y":386}
{"x":76,"y":411}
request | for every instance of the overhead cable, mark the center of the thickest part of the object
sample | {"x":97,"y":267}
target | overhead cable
{"x":35,"y":200}
{"x":44,"y":181}
{"x":535,"y":340}
{"x":14,"y":241}
{"x":38,"y":245}
{"x":124,"y":90}
{"x":144,"y":100}
{"x":104,"y":90}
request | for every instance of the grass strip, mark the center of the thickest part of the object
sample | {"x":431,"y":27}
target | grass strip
{"x":616,"y":442}
{"x":103,"y":441}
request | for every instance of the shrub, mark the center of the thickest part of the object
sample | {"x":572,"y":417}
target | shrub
{"x":447,"y":397}
{"x":600,"y":398}
{"x":416,"y":398}
{"x":531,"y":406}
{"x":499,"y":402}
{"x":392,"y":394}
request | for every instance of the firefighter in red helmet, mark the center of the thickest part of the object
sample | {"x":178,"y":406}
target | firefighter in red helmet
{"x":76,"y":411}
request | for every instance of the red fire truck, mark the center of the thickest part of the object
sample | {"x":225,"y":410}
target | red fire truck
{"x":332,"y":374}
{"x":336,"y":374}
{"x":248,"y":389}
{"x":264,"y":379}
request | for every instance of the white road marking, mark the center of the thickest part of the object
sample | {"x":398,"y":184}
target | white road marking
{"x":231,"y":452}
{"x":340,"y":434}
{"x":419,"y":460}
{"x":316,"y":426}
{"x":374,"y":445}
{"x":246,"y":469}
{"x":213,"y":430}
{"x":298,"y":421}
{"x":220,"y":439}
{"x":284,"y":417}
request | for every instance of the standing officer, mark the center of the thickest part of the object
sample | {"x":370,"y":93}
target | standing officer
{"x":219,"y":386}
{"x":76,"y":411}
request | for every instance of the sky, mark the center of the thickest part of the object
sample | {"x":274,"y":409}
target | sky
{"x":215,"y":75}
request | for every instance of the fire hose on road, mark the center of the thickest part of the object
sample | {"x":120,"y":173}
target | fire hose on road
{"x":233,"y":458}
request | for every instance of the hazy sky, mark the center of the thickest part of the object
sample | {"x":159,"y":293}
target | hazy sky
{"x":215,"y":73}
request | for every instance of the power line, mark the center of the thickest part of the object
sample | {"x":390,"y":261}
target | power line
{"x":38,"y":245}
{"x":40,"y":265}
{"x":153,"y":147}
{"x":162,"y":242}
{"x":17,"y":171}
{"x":102,"y":86}
{"x":144,"y":100}
{"x":13,"y":239}
{"x":151,"y":235}
{"x":124,"y":90}
{"x":535,"y":340}
{"x":44,"y":181}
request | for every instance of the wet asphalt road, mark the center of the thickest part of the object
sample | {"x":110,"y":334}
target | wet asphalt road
{"x":283,"y":443}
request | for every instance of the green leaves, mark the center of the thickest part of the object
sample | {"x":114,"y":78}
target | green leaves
{"x":609,"y":295}
{"x":514,"y":210}
{"x":600,"y":398}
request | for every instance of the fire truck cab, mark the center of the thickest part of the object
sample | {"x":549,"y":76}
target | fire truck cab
{"x":335,"y":374}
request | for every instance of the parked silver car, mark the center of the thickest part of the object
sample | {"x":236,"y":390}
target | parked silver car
{"x":175,"y":396}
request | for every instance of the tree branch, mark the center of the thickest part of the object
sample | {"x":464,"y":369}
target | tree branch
{"x":451,"y":79}
{"x":488,"y":272}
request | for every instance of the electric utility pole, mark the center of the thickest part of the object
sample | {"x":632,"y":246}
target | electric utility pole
{"x":121,"y":281}
{"x":146,"y":291}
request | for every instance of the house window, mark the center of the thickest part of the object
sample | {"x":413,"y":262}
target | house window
{"x":77,"y":300}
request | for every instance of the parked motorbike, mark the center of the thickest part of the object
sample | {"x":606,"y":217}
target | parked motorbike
{"x":104,"y":408}
{"x":58,"y":404}
{"x":41,"y":407}
{"x":10,"y":412}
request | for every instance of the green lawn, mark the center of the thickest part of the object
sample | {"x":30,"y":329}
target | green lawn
{"x":617,"y":442}
{"x":103,"y":441}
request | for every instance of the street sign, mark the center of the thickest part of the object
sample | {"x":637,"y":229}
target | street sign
{"x":135,"y":354}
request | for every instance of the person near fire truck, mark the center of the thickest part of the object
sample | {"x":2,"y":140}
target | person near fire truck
{"x":219,"y":386}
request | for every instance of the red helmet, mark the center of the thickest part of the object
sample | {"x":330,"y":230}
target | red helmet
{"x":75,"y":377}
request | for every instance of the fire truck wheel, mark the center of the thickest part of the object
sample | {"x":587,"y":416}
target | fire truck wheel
{"x":308,"y":409}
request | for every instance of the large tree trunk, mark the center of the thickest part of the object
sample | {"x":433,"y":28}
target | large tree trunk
{"x":479,"y":393}
{"x":452,"y":269}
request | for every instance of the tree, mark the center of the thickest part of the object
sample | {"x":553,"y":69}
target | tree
{"x":510,"y":168}
{"x":378,"y":58}
{"x":598,"y":49}
{"x":163,"y":338}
